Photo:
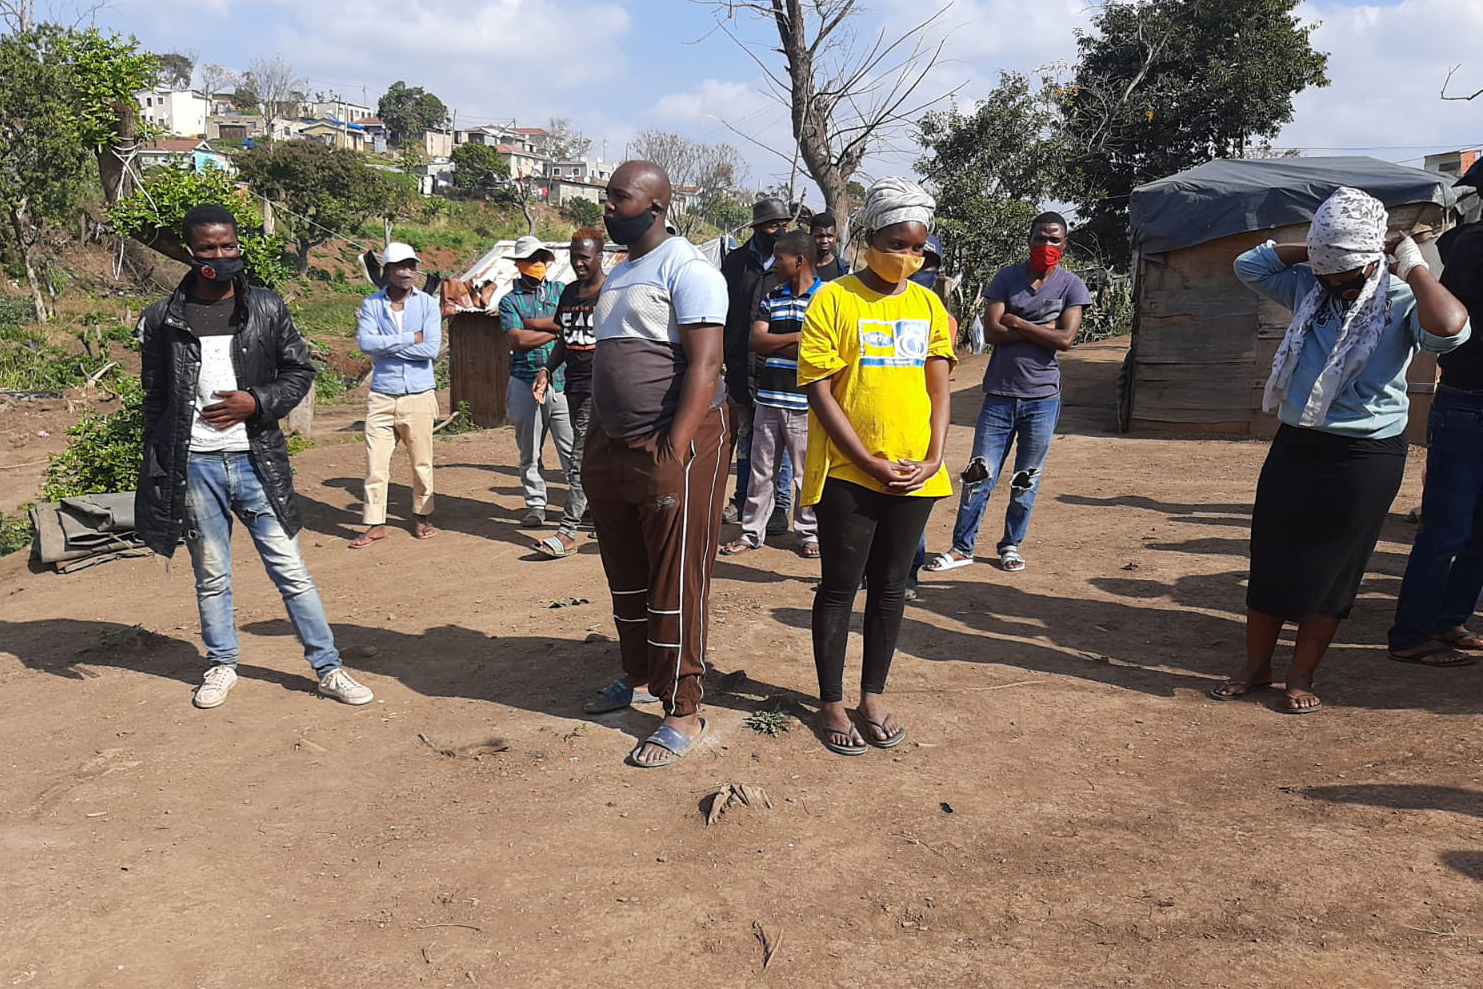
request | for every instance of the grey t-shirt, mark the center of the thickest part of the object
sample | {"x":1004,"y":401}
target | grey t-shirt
{"x":639,"y":365}
{"x":1025,"y":369}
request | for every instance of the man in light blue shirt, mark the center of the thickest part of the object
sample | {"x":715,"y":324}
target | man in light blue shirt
{"x":400,"y":329}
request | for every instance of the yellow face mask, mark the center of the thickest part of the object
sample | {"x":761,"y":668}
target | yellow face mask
{"x":532,"y":269}
{"x":893,"y":267}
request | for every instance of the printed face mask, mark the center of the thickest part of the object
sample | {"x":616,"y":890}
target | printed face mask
{"x":893,"y":267}
{"x":218,"y":270}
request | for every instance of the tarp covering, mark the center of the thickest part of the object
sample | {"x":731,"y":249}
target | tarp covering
{"x":75,"y":533}
{"x":1225,"y":196}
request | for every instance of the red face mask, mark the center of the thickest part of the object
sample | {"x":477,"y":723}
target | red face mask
{"x":1044,"y":257}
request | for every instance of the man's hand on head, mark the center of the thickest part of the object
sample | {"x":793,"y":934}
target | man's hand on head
{"x":234,"y":407}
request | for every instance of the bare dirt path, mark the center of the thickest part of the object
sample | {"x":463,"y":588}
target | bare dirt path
{"x":1070,"y":810}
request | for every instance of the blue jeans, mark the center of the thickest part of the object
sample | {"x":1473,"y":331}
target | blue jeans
{"x":1027,"y":423}
{"x":1445,"y":572}
{"x":219,"y":487}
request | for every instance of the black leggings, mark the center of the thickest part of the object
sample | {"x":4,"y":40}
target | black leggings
{"x":863,"y":533}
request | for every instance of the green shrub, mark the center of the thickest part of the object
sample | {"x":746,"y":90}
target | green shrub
{"x":103,"y":452}
{"x":30,"y":362}
{"x":298,"y":443}
{"x":1112,"y":316}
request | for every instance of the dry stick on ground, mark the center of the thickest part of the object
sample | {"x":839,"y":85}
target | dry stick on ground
{"x":455,"y":415}
{"x":467,"y":927}
{"x":769,"y":944}
{"x":964,"y":690}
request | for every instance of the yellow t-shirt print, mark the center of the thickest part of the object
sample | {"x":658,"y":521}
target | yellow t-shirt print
{"x":873,"y":349}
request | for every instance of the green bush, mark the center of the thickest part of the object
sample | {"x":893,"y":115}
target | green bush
{"x":1112,"y":316}
{"x":30,"y":362}
{"x":15,"y":533}
{"x":103,"y":452}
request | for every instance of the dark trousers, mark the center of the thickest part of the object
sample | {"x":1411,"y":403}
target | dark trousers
{"x":862,"y":533}
{"x":1444,"y":574}
{"x":658,"y":522}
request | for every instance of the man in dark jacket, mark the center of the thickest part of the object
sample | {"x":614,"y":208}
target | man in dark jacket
{"x":745,"y":269}
{"x":222,"y":362}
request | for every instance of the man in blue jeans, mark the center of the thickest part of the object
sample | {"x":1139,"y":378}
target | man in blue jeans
{"x":1032,"y":312}
{"x":1444,"y":574}
{"x":221,"y":363}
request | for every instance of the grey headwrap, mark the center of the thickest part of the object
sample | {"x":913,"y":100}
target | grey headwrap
{"x":1348,"y":232}
{"x":895,"y":200}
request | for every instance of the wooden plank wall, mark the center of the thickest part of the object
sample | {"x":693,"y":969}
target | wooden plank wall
{"x":479,"y":366}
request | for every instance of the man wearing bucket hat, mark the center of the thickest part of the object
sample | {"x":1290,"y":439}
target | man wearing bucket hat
{"x":745,"y":270}
{"x":528,"y":315}
{"x":400,"y":329}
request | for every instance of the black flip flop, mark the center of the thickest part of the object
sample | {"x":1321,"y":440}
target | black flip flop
{"x":1420,"y":658}
{"x":838,"y":749}
{"x":890,"y":741}
{"x":1252,"y":688}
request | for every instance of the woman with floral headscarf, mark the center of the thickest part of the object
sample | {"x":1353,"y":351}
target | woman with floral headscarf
{"x":1338,"y":384}
{"x":874,"y":355}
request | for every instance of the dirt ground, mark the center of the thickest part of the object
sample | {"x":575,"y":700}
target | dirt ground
{"x":1069,"y":811}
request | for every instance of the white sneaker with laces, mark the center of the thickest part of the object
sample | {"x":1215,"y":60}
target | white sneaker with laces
{"x":215,"y":686}
{"x":343,"y":688}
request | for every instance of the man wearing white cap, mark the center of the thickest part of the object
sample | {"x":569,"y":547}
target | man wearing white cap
{"x":400,"y":329}
{"x":528,"y":315}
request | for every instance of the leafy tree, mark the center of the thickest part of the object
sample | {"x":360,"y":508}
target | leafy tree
{"x":408,"y":111}
{"x":174,"y":69}
{"x":479,"y":166}
{"x":61,"y":96}
{"x":584,"y":212}
{"x":153,"y":214}
{"x":1163,"y":85}
{"x":324,"y":192}
{"x":990,"y":169}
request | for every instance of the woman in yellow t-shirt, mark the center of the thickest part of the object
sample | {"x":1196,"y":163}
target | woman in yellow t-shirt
{"x":874,"y":355}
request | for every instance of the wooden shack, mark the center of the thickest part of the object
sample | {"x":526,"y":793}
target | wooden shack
{"x":1203,"y":343}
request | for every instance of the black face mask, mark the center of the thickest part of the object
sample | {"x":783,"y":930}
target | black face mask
{"x":219,"y":270}
{"x":627,"y":230}
{"x":764,"y":242}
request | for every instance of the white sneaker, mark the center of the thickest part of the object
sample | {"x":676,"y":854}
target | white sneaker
{"x":215,"y":686}
{"x":343,"y":688}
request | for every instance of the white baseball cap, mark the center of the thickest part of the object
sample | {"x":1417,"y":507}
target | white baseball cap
{"x":397,"y":251}
{"x":527,"y":247}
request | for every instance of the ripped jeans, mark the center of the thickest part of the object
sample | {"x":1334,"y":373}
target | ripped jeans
{"x":1027,"y":423}
{"x":219,"y":487}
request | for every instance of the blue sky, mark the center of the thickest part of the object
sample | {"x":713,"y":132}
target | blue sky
{"x":620,"y":66}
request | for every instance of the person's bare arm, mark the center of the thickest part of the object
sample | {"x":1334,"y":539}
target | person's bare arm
{"x":703,"y":344}
{"x":1437,"y":310}
{"x":1058,"y":337}
{"x":995,"y":331}
{"x":524,"y":338}
{"x":1291,"y":254}
{"x":765,"y":342}
{"x":832,"y":417}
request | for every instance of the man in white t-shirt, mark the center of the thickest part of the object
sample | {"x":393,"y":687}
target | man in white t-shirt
{"x":658,"y":451}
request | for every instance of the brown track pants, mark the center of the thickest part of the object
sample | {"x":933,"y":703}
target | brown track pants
{"x":658,"y":522}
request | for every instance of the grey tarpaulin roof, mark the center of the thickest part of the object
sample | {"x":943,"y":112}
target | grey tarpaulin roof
{"x":1225,"y":197}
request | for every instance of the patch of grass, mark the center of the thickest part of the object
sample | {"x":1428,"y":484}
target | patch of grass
{"x":298,"y":443}
{"x":15,"y":533}
{"x":31,"y":362}
{"x":103,"y":452}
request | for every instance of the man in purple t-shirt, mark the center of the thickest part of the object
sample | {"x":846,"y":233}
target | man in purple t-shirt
{"x":1032,"y":312}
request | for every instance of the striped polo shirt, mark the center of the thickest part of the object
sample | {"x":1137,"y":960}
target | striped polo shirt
{"x":777,"y":379}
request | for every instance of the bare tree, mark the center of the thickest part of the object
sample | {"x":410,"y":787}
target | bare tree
{"x":215,"y":78}
{"x":20,"y":16}
{"x":848,"y":93}
{"x":565,"y":141}
{"x":279,"y":89}
{"x":678,"y":156}
{"x":1446,"y":82}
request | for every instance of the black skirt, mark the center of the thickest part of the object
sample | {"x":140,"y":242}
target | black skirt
{"x":1320,"y":505}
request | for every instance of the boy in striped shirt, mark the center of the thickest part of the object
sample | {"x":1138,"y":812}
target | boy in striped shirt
{"x":781,"y":420}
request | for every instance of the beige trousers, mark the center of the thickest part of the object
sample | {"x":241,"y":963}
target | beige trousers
{"x":390,"y":418}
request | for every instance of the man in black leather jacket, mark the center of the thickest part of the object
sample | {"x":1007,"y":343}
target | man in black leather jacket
{"x":222,"y":362}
